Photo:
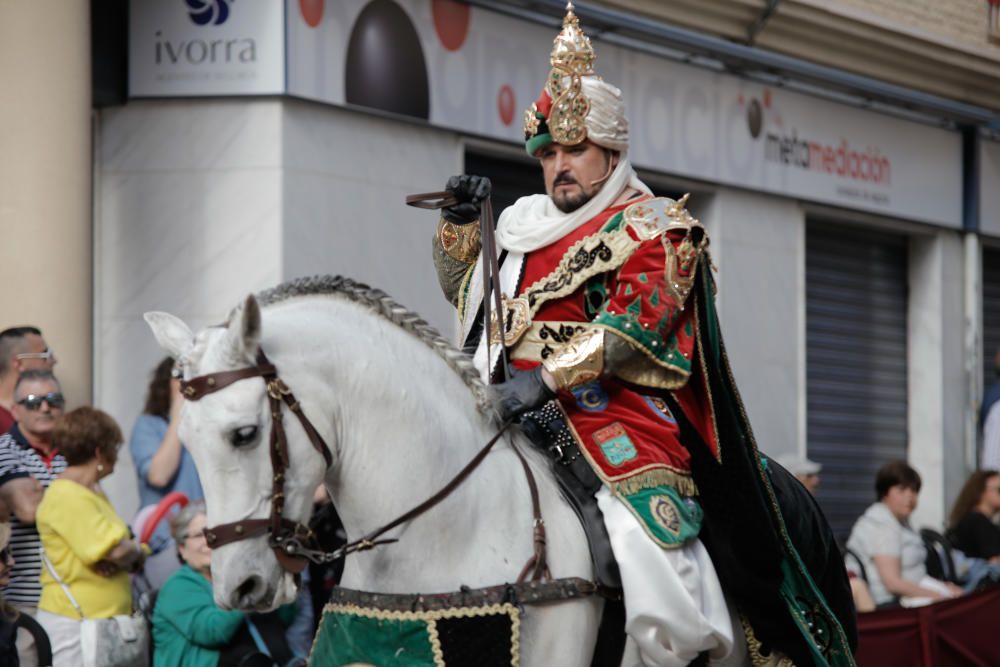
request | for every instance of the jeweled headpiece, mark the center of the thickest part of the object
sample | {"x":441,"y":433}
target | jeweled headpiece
{"x":563,"y":112}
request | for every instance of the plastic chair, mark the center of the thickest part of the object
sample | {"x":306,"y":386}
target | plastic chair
{"x":940,"y":563}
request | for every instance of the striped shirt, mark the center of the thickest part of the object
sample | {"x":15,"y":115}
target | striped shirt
{"x":19,"y":459}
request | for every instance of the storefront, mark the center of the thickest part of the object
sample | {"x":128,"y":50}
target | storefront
{"x":274,"y":140}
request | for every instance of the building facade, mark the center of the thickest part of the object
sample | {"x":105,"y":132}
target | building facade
{"x":842,"y":154}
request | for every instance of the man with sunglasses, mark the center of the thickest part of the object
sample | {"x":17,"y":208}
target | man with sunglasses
{"x":28,"y":463}
{"x":21,"y":349}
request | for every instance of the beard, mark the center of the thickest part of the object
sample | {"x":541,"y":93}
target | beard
{"x":567,"y":202}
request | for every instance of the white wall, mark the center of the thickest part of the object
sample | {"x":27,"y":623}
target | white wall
{"x":938,"y":395}
{"x":187,"y":220}
{"x":200,"y":202}
{"x":989,"y":187}
{"x":346,"y":175}
{"x":758,"y":244}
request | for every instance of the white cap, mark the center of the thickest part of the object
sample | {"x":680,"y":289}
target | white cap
{"x":799,"y":465}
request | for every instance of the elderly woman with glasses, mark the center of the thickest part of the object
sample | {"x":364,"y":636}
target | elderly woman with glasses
{"x":86,"y":544}
{"x":189,"y":630}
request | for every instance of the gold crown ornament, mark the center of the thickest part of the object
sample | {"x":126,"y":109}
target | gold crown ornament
{"x":564,"y":112}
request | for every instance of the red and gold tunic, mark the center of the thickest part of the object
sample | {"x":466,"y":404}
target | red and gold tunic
{"x":628,"y":272}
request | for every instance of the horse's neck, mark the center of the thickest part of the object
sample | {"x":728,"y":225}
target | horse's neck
{"x":404,"y":424}
{"x":401,"y":452}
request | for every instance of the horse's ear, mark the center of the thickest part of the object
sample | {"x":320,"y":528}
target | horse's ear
{"x":243,"y":332}
{"x":171,"y":333}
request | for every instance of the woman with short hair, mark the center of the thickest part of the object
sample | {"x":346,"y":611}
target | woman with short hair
{"x":84,"y":540}
{"x":892,"y":552}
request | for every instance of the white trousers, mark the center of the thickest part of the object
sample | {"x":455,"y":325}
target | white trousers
{"x":674,"y":607}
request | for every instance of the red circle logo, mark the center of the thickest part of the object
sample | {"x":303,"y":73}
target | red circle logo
{"x":312,"y":11}
{"x":451,"y":21}
{"x":505,"y":104}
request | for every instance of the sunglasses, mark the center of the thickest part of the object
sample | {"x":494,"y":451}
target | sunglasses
{"x":5,"y":555}
{"x":45,"y":356}
{"x":53,"y":398}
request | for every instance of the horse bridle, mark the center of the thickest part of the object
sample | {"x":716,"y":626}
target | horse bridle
{"x":289,"y":540}
{"x":294,"y":543}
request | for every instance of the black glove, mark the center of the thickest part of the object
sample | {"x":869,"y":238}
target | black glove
{"x":524,"y":392}
{"x":469,"y":191}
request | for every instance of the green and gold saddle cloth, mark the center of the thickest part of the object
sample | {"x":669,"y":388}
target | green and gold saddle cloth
{"x":415,"y":631}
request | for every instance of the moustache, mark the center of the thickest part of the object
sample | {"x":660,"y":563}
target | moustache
{"x":564,"y":179}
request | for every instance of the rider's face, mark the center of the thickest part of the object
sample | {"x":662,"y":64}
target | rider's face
{"x":574,"y":174}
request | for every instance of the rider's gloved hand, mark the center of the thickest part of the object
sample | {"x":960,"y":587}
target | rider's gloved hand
{"x":469,"y":191}
{"x":524,"y":392}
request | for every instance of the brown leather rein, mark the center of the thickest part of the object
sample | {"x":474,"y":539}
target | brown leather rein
{"x":294,"y":543}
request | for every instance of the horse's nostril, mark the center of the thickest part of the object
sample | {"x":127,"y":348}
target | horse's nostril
{"x":245,"y":591}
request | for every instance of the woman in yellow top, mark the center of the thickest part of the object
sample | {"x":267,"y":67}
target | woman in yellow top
{"x":86,"y":542}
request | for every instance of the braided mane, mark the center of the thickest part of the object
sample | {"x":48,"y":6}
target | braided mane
{"x":382,"y":304}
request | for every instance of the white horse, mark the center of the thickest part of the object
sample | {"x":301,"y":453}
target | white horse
{"x":402,"y":411}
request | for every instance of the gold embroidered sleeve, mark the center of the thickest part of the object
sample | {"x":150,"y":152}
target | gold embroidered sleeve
{"x":452,"y":269}
{"x":578,"y":361}
{"x":460,"y":242}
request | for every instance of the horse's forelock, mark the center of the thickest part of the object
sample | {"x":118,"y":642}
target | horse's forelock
{"x":191,"y":363}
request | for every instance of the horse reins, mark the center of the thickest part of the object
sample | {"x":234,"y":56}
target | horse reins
{"x":295,"y":543}
{"x":491,"y":267}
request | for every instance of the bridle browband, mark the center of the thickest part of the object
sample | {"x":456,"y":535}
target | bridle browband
{"x":289,"y":539}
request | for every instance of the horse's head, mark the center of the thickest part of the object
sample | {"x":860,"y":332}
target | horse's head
{"x":227,"y":431}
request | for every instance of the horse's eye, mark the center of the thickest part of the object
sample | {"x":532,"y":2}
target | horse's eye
{"x":243,"y":436}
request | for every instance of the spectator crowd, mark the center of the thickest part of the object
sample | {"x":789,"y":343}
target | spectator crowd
{"x":69,"y":561}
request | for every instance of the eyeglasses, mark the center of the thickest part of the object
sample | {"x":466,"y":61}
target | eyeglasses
{"x":5,"y":555}
{"x":45,"y":355}
{"x":53,"y":398}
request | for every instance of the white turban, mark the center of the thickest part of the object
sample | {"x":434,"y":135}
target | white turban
{"x":606,"y":122}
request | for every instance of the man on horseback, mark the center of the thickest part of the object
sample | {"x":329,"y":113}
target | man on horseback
{"x":608,"y":316}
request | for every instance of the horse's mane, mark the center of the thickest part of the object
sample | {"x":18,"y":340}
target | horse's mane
{"x":384,"y":305}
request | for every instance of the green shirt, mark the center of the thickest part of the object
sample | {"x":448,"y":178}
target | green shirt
{"x":188,"y":629}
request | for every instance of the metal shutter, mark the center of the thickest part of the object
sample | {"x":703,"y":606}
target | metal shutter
{"x":991,"y":313}
{"x":856,"y":294}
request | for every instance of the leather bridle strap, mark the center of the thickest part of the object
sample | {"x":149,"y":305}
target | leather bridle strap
{"x":431,"y":200}
{"x":287,"y":538}
{"x":491,"y":286}
{"x":369,"y":540}
{"x":200,"y":386}
{"x":538,"y":564}
{"x":491,"y":266}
